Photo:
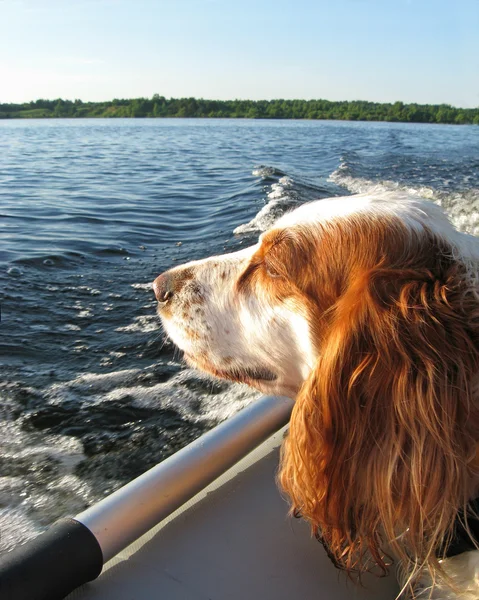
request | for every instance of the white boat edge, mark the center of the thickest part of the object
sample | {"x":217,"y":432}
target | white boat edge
{"x":231,"y":541}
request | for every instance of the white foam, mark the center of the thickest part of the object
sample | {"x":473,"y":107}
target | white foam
{"x":264,"y":172}
{"x":70,"y":327}
{"x":16,"y":527}
{"x":83,"y":289}
{"x":143,"y":286}
{"x":178,"y":396}
{"x":88,"y":290}
{"x":142,"y":324}
{"x":89,"y":384}
{"x":187,"y":392}
{"x":26,"y":501}
{"x":462,"y":207}
{"x":279,"y":198}
{"x":83,"y":311}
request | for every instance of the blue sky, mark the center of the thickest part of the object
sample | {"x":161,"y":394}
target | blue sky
{"x":384,"y":50}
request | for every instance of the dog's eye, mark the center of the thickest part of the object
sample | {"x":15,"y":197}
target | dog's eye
{"x":271,"y":271}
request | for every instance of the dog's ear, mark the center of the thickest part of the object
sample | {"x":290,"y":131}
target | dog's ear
{"x":384,"y":430}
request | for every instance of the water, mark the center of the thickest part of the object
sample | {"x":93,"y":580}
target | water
{"x":91,"y":211}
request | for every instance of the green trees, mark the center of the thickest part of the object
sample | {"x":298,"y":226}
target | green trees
{"x":59,"y":111}
{"x":159,"y":106}
{"x":138,"y":108}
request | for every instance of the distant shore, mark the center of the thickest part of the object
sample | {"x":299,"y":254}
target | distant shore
{"x":161,"y":107}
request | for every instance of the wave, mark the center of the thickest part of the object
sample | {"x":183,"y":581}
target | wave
{"x":462,"y":206}
{"x":84,"y":437}
{"x":266,"y":172}
{"x":189,"y":392}
{"x":38,"y":483}
{"x":280,"y":198}
{"x":285,"y":193}
{"x":65,"y":260}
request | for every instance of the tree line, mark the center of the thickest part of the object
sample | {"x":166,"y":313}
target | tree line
{"x":159,"y":106}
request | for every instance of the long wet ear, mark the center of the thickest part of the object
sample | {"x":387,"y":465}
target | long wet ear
{"x":383,"y":432}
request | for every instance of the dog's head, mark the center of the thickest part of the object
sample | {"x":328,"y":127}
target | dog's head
{"x":366,"y":310}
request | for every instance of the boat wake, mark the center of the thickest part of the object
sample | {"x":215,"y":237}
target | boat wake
{"x":83,"y":438}
{"x":462,"y":206}
{"x":283,"y":193}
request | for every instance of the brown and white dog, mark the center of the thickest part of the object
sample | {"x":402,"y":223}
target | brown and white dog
{"x":366,"y":309}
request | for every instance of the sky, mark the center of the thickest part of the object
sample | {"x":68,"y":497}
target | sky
{"x":424,"y":51}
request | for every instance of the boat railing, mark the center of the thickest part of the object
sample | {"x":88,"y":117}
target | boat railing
{"x":73,"y":550}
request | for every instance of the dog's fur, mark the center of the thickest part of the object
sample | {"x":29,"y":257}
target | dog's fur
{"x":366,"y":309}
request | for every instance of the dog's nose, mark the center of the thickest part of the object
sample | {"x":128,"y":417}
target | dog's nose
{"x":163,"y":287}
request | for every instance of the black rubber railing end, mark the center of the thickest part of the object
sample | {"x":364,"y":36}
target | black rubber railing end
{"x":51,"y":565}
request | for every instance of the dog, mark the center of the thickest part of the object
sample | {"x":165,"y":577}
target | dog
{"x":365,"y":309}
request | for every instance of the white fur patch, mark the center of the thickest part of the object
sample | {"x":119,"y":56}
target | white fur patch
{"x":464,"y":573}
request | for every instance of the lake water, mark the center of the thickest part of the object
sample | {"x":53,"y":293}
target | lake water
{"x":91,"y":211}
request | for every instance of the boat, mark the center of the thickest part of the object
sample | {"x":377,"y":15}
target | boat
{"x":207,"y":523}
